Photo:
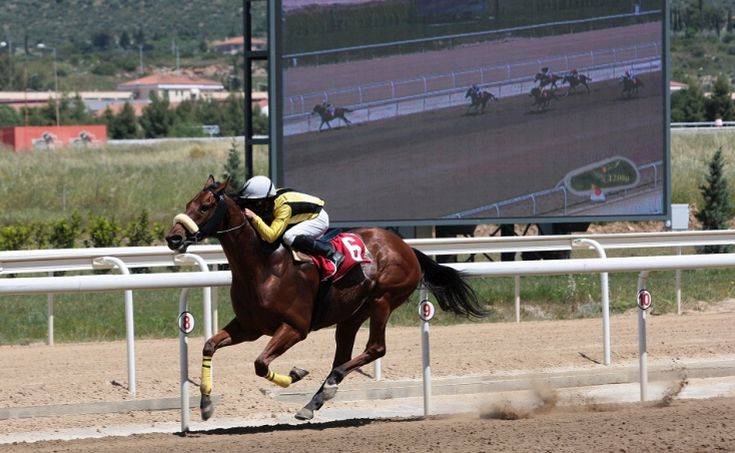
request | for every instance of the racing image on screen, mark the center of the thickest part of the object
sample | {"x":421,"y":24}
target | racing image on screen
{"x":403,"y":110}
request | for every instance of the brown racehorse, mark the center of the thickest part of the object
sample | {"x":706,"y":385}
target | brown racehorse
{"x":327,"y":115}
{"x":275,"y":296}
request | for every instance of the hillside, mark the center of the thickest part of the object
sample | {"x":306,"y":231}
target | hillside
{"x":98,"y":41}
{"x":72,"y":23}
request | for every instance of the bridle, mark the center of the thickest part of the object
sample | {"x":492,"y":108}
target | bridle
{"x":209,"y":228}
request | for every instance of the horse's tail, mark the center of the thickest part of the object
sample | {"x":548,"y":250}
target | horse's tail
{"x":452,"y":292}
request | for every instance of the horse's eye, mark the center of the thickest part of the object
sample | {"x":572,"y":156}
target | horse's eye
{"x":203,"y":208}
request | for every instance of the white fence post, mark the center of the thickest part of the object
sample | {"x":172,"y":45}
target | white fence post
{"x":425,"y":356}
{"x":678,"y":287}
{"x":605,"y":298}
{"x":517,"y":280}
{"x":50,"y":316}
{"x":642,"y":344}
{"x":184,"y":363}
{"x":109,"y":261}
{"x":191,"y":259}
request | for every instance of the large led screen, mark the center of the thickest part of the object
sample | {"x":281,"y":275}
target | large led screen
{"x":473,"y":110}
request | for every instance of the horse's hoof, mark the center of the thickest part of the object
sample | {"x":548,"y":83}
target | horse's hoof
{"x":297,"y":374}
{"x":329,"y":391}
{"x":207,"y":407}
{"x":304,"y":414}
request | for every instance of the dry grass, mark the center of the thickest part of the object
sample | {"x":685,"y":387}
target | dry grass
{"x":118,"y":181}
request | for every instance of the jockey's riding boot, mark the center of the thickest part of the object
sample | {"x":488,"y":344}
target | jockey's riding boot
{"x":313,"y":246}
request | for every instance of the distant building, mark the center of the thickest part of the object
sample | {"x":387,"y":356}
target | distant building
{"x":675,"y":86}
{"x":232,"y":46}
{"x":93,"y":100}
{"x":176,"y":88}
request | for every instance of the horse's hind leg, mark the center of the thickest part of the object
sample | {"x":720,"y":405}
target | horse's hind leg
{"x":344,"y":337}
{"x":379,"y":310}
{"x":285,"y":337}
{"x":232,"y":334}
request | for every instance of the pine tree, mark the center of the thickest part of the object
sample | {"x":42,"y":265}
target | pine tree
{"x":157,"y":119}
{"x":126,"y":125}
{"x":720,"y":105}
{"x":717,"y":209}
{"x":688,"y":105}
{"x":233,"y":167}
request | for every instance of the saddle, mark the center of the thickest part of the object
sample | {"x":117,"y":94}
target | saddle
{"x":348,"y":244}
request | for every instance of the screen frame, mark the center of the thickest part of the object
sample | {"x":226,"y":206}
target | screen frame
{"x":275,"y":152}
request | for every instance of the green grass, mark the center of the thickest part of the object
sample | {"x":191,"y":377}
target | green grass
{"x":690,"y":153}
{"x":119,"y":181}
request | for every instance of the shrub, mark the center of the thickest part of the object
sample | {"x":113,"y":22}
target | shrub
{"x":40,"y":234}
{"x":64,"y":233}
{"x":139,"y":231}
{"x":197,"y":152}
{"x":159,"y":232}
{"x":15,"y":237}
{"x":103,"y":232}
{"x":104,"y":69}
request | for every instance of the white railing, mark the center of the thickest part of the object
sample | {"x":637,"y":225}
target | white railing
{"x":363,"y":95}
{"x":451,"y":38}
{"x":707,"y":125}
{"x":452,"y":97}
{"x":94,"y":283}
{"x":45,"y":261}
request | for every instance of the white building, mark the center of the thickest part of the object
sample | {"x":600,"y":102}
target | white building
{"x":175,"y":87}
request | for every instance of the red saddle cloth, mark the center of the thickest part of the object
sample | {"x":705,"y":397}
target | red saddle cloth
{"x":354,"y":250}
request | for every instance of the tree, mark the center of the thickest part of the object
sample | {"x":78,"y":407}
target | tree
{"x":101,"y":40}
{"x":688,"y":105}
{"x":124,"y":41}
{"x":720,"y":105}
{"x":126,"y":125}
{"x":717,"y":209}
{"x":233,"y":167}
{"x":9,"y":117}
{"x":157,"y":119}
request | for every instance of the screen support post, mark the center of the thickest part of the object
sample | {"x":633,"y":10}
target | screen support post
{"x":250,"y":57}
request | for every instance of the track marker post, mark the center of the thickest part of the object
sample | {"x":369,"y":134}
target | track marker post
{"x":426,"y":313}
{"x":185,"y":325}
{"x":645,"y":302}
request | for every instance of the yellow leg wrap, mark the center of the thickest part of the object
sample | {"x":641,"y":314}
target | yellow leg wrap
{"x":206,"y":386}
{"x":279,"y":379}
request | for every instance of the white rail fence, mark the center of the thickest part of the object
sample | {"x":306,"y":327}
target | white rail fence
{"x":95,"y":283}
{"x":434,"y":92}
{"x":708,"y":126}
{"x":484,"y":75}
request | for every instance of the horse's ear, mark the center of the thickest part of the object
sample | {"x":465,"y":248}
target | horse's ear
{"x":209,"y":182}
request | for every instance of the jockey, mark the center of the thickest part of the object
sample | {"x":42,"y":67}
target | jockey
{"x":328,"y":107}
{"x":296,"y":218}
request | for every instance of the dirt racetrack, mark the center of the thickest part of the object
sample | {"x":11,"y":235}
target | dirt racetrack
{"x":409,"y":164}
{"x":684,"y":426}
{"x":87,"y":372}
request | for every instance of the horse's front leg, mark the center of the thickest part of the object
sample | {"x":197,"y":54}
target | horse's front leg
{"x":231,"y":335}
{"x":285,"y":337}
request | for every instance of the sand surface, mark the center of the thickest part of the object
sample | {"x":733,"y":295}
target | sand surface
{"x":74,"y":373}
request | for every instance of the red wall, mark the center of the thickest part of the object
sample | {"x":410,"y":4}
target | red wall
{"x":52,"y":137}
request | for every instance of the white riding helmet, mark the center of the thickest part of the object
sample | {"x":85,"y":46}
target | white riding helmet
{"x":257,"y":188}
